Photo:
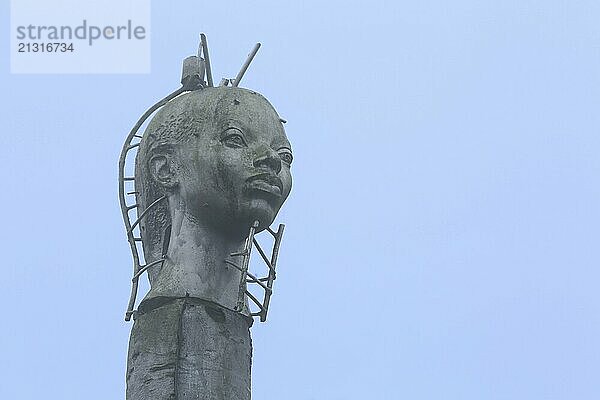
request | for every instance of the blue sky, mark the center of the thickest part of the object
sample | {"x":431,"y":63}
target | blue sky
{"x":442,"y":232}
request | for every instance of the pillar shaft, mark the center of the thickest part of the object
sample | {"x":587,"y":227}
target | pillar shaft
{"x":188,"y":349}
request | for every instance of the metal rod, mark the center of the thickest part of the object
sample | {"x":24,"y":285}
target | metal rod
{"x":234,"y":265}
{"x":256,"y":280}
{"x":274,"y":255}
{"x":143,"y":214}
{"x":253,"y":278}
{"x":240,"y":74}
{"x":260,"y":279}
{"x":204,"y":44}
{"x":145,"y":267}
{"x":255,"y":300}
{"x":166,"y":241}
{"x":122,"y":196}
{"x":262,"y":254}
{"x":246,"y":260}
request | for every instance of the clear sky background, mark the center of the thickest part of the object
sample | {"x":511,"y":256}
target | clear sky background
{"x":442,"y":236}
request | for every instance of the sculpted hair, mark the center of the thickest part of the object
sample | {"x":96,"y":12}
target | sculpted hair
{"x":178,"y":123}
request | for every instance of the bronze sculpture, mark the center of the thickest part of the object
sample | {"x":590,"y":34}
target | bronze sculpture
{"x":212,"y":170}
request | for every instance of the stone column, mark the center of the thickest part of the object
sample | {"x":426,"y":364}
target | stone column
{"x":186,"y":349}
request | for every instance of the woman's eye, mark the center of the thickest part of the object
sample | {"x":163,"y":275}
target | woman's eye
{"x":286,"y":157}
{"x":233,"y":138}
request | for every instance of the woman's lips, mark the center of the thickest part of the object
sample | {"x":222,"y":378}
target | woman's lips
{"x":267,"y":183}
{"x":264,"y":186}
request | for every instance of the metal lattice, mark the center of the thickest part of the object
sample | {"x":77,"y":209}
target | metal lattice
{"x":266,"y":283}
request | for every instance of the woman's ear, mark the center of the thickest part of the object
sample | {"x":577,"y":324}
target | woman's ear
{"x":163,"y":170}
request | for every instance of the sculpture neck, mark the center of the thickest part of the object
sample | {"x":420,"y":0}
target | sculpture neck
{"x":195,"y":263}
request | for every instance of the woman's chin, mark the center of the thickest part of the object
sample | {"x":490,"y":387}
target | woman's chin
{"x":260,"y":210}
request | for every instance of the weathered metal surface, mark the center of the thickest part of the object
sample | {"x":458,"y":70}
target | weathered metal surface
{"x":212,"y":170}
{"x":189,"y":349}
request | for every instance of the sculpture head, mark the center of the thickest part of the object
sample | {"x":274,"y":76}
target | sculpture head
{"x":221,"y":157}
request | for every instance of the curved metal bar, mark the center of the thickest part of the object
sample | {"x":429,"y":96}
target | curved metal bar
{"x":145,"y":267}
{"x":143,"y":214}
{"x":122,"y":196}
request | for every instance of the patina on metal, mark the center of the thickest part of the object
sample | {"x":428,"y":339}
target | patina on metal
{"x":211,"y":172}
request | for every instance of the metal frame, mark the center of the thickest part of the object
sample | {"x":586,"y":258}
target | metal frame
{"x":266,"y":283}
{"x":128,"y":146}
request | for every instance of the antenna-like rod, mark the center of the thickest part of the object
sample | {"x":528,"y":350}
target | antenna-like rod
{"x":240,"y":74}
{"x":204,"y":45}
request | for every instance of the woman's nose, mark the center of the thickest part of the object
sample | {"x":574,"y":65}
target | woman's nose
{"x":267,"y":158}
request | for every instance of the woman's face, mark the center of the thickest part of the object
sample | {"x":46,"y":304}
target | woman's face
{"x":238,"y":170}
